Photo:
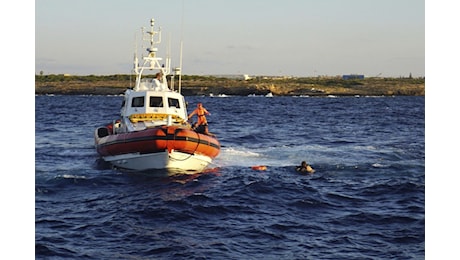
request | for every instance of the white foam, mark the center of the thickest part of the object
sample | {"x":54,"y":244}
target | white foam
{"x":70,"y":176}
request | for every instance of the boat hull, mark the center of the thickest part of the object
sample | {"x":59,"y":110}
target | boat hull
{"x":173,"y":148}
{"x":174,"y":162}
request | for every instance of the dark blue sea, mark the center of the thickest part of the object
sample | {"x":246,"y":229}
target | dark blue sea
{"x":366,"y":199}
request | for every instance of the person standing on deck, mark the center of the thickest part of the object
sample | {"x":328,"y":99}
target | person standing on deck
{"x":200,"y":112}
{"x":158,"y":83}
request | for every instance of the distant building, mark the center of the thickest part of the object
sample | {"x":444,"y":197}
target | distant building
{"x":246,"y":77}
{"x":353,"y":76}
{"x":234,"y":76}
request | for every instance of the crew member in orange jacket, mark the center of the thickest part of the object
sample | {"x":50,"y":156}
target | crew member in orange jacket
{"x":200,"y":112}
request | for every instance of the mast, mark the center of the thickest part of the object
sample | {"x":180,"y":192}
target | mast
{"x":180,"y":67}
{"x":151,"y":61}
{"x":181,"y":44}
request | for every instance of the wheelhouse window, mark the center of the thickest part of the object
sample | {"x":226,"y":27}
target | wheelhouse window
{"x":137,"y":102}
{"x":173,"y":102}
{"x":156,"y":102}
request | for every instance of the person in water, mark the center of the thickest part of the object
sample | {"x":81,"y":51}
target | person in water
{"x":304,"y":167}
{"x":202,"y":123}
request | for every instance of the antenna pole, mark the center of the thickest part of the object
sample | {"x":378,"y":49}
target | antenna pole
{"x":180,"y":66}
{"x":181,"y":44}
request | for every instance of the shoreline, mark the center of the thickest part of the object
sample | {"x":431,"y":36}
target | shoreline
{"x":208,"y":85}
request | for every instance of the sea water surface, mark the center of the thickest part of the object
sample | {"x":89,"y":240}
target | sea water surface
{"x":365,"y":201}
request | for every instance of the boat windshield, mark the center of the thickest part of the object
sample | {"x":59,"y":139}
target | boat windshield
{"x":137,"y":102}
{"x":156,"y":102}
{"x":173,"y":102}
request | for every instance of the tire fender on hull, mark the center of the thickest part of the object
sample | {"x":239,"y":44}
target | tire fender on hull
{"x":159,"y":139}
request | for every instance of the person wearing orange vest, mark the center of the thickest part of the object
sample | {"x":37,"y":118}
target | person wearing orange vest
{"x":200,"y":112}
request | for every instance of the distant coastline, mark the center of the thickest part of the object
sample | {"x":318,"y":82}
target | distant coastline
{"x":210,"y":85}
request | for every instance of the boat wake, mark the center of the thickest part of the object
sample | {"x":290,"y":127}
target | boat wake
{"x":248,"y":157}
{"x":238,"y":157}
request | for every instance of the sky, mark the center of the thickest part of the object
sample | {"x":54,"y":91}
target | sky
{"x":257,"y":37}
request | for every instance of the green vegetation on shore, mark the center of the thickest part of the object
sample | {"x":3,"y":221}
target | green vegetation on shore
{"x":206,"y":85}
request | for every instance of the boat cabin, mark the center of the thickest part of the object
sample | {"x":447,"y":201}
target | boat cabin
{"x":149,"y":108}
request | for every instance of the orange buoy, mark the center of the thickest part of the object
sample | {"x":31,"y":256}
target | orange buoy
{"x":259,"y":167}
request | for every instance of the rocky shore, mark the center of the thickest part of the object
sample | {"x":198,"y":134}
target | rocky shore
{"x":202,"y":85}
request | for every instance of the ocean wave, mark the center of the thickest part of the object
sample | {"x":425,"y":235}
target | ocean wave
{"x":365,"y":200}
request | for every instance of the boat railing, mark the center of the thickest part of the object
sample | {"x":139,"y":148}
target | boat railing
{"x":145,"y":84}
